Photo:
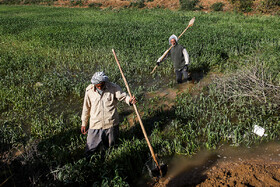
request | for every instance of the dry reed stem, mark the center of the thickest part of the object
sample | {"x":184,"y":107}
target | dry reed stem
{"x":253,"y":81}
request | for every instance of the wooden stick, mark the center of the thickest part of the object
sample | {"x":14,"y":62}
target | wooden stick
{"x":190,"y":24}
{"x":138,"y":115}
{"x":6,"y":180}
{"x":162,"y":58}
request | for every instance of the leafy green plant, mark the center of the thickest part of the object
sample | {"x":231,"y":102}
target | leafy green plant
{"x":11,"y":135}
{"x":243,"y":5}
{"x":77,"y":2}
{"x":95,"y":5}
{"x":217,"y":6}
{"x":137,"y":4}
{"x":27,"y":1}
{"x":271,"y":3}
{"x":269,"y":6}
{"x":11,"y":2}
{"x":189,"y":5}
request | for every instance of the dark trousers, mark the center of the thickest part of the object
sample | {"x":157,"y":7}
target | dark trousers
{"x":98,"y":139}
{"x":180,"y":74}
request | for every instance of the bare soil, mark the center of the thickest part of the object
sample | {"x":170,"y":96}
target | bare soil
{"x":168,"y":4}
{"x":229,"y":166}
{"x":257,"y":7}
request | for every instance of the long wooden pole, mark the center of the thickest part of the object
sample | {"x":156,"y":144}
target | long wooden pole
{"x":138,"y":115}
{"x":190,"y":24}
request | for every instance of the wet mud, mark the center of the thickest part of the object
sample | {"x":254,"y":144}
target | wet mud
{"x":227,"y":166}
{"x":198,"y":80}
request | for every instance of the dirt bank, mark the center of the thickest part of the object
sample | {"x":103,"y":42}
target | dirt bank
{"x":229,"y":166}
{"x":205,"y":5}
{"x":116,"y":4}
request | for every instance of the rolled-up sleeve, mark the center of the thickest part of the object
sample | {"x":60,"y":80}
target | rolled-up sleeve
{"x":186,"y":56}
{"x":86,"y":110}
{"x":120,"y":95}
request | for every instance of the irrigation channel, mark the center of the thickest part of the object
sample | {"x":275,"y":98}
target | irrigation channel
{"x":227,"y":165}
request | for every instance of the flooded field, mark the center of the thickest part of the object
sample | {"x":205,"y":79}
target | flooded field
{"x":49,"y":54}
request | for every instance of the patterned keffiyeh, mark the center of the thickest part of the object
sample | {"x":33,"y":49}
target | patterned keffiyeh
{"x":99,"y":77}
{"x":173,"y":37}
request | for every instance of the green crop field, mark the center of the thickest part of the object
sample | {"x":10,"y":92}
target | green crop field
{"x":47,"y":58}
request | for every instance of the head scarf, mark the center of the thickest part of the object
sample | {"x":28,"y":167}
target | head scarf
{"x":173,"y":37}
{"x":99,"y":77}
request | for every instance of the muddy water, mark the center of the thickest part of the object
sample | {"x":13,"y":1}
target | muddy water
{"x":270,"y":151}
{"x":259,"y":165}
{"x":233,"y":166}
{"x":170,"y":93}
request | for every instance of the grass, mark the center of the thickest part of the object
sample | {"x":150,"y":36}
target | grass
{"x":48,"y":55}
